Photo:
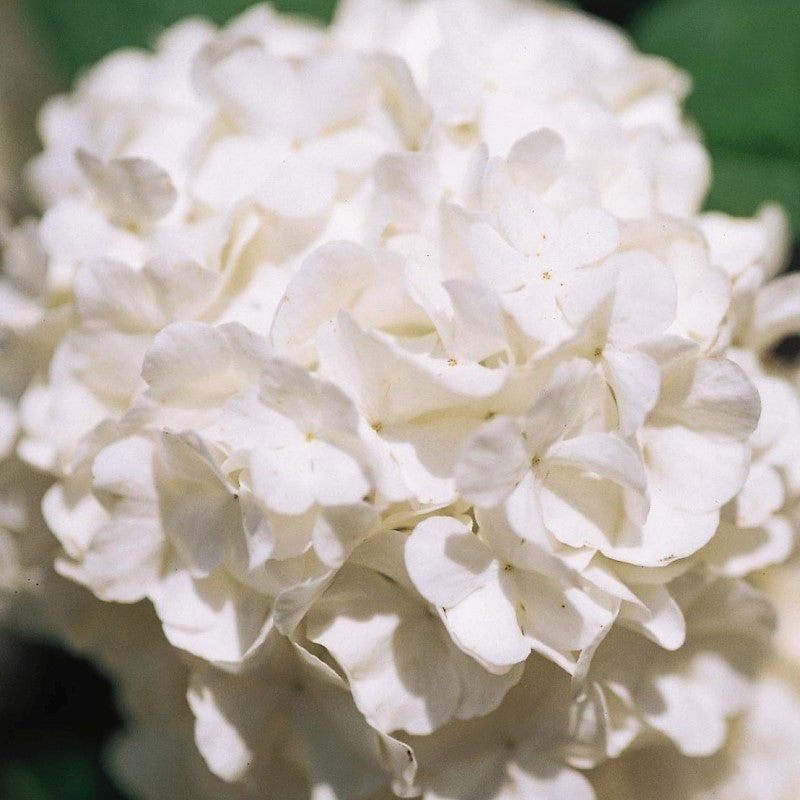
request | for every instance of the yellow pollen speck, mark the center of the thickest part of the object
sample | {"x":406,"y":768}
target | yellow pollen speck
{"x":508,"y":568}
{"x":598,"y":351}
{"x":377,"y":427}
{"x":535,"y":461}
{"x":452,"y":362}
{"x":309,"y":437}
{"x":546,"y":276}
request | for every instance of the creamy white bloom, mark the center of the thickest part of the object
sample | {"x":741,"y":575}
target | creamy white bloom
{"x":395,"y":360}
{"x":635,"y":691}
{"x":270,"y":729}
{"x":404,"y":670}
{"x":513,"y":753}
{"x":759,"y":762}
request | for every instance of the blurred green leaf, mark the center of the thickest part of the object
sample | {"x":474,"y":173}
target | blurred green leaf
{"x":72,"y":774}
{"x":744,"y":57}
{"x":81,"y":32}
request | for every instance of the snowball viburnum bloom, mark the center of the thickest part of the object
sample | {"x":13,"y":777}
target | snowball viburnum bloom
{"x":395,"y":367}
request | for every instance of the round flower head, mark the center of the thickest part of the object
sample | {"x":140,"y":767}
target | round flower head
{"x":395,"y":367}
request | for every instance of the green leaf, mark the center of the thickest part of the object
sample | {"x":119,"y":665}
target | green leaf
{"x":744,"y":57}
{"x":80,"y":32}
{"x":743,"y":180}
{"x":69,"y":774}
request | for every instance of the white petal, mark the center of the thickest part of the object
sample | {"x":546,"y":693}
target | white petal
{"x":762,"y":495}
{"x":605,"y":454}
{"x":199,"y":513}
{"x":330,"y":279}
{"x":668,"y":534}
{"x":73,"y":517}
{"x":492,"y":462}
{"x":124,"y":470}
{"x":282,"y":479}
{"x":455,"y":94}
{"x":407,"y":186}
{"x":527,"y":222}
{"x":299,"y":189}
{"x":113,"y":293}
{"x":132,"y":189}
{"x":536,"y":160}
{"x":636,"y":381}
{"x":536,"y":310}
{"x":215,"y":618}
{"x":182,"y":287}
{"x":687,"y":714}
{"x":711,"y":395}
{"x":122,"y":562}
{"x":524,"y":514}
{"x":446,"y":561}
{"x":339,"y":529}
{"x":559,"y":616}
{"x":558,"y":406}
{"x":478,"y":331}
{"x":218,"y":737}
{"x":695,"y":472}
{"x":407,"y":106}
{"x":485,"y":625}
{"x":588,"y":234}
{"x":737,"y":551}
{"x":403,"y":670}
{"x":71,"y":232}
{"x":291,"y":391}
{"x":585,"y":510}
{"x":659,"y":618}
{"x":777,"y":311}
{"x":258,"y":533}
{"x":293,"y":603}
{"x":337,"y":479}
{"x":393,"y":383}
{"x":191,"y":360}
{"x":502,"y":267}
{"x":541,"y":777}
{"x":237,"y":167}
{"x":645,"y":299}
{"x":422,"y":454}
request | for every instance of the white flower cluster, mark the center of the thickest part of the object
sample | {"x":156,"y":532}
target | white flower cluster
{"x":394,"y":365}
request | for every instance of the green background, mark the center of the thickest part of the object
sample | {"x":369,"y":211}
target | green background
{"x":744,"y":56}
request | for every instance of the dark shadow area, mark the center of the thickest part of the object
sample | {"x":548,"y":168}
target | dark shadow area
{"x":619,"y":11}
{"x":56,"y":714}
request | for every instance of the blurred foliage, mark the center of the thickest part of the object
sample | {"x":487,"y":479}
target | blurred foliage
{"x":56,"y":713}
{"x":67,"y":774}
{"x":80,"y":32}
{"x":744,"y":57}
